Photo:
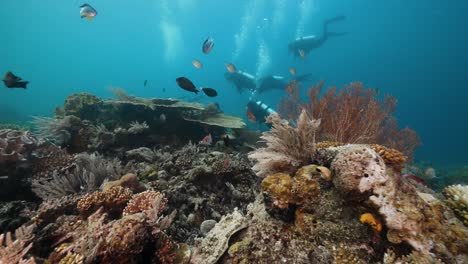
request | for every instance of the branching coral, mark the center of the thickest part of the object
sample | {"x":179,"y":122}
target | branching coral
{"x":457,"y":199}
{"x":287,"y":147}
{"x":14,"y":251}
{"x":135,"y":236}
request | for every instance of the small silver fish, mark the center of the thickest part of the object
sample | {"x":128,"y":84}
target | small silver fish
{"x":87,"y":11}
{"x":197,"y":64}
{"x":208,"y":45}
{"x":162,"y":118}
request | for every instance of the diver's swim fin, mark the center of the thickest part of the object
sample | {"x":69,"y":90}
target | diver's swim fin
{"x":336,"y":34}
{"x":304,"y":77}
{"x":335,"y":19}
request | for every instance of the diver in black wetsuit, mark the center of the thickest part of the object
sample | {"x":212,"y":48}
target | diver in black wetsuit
{"x":306,"y":44}
{"x":257,"y":111}
{"x":274,"y":82}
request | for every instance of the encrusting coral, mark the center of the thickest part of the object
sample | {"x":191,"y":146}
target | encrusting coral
{"x":391,"y":156}
{"x":416,"y":218}
{"x":457,"y":199}
{"x":287,"y":147}
{"x":112,"y":200}
{"x":142,"y":202}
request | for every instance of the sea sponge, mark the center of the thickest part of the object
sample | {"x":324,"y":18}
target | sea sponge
{"x":457,"y":199}
{"x":279,"y":186}
{"x":112,"y":200}
{"x":371,"y":220}
{"x":143,"y":202}
{"x":391,"y":156}
{"x":83,"y":105}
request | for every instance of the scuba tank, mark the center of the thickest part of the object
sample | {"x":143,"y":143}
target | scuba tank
{"x":257,"y":111}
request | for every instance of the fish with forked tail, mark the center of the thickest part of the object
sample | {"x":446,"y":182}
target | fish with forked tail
{"x":186,"y":84}
{"x":13,"y":81}
{"x":87,"y":11}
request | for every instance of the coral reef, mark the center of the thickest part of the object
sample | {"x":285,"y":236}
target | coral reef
{"x":216,"y":241}
{"x":18,"y":151}
{"x":457,"y":199}
{"x":112,"y":200}
{"x":416,"y":218}
{"x":87,"y":174}
{"x":353,"y":115}
{"x":15,"y":251}
{"x":287,"y":146}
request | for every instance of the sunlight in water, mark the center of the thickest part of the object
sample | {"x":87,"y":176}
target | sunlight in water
{"x":278,"y":17}
{"x":171,"y":33}
{"x":306,"y":9}
{"x":247,"y":25}
{"x":263,"y":59}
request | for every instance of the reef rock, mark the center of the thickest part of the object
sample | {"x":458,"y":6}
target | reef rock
{"x":213,"y":246}
{"x":418,"y":219}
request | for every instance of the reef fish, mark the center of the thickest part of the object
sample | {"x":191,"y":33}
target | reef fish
{"x":210,"y":92}
{"x":208,"y":45}
{"x":207,"y":140}
{"x":197,"y":64}
{"x":230,"y":67}
{"x":87,"y":11}
{"x":186,"y":84}
{"x":292,"y":70}
{"x":13,"y":81}
{"x":251,"y":116}
{"x":145,"y":82}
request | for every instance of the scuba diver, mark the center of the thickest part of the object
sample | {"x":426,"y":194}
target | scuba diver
{"x":303,"y":45}
{"x":257,"y":111}
{"x":242,"y":80}
{"x":272,"y":82}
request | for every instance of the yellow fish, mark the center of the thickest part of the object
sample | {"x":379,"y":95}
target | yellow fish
{"x":230,"y":67}
{"x":301,"y":53}
{"x":197,"y":64}
{"x":292,"y":70}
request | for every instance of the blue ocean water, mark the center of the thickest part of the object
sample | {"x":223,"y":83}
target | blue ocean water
{"x":413,"y":50}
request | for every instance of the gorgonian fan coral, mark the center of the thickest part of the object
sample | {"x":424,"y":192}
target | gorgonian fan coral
{"x":353,"y":114}
{"x":287,"y":147}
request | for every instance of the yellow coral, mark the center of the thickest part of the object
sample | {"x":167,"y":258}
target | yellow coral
{"x":279,"y":186}
{"x":72,"y":258}
{"x":369,"y":219}
{"x":390,"y":156}
{"x":457,"y":199}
